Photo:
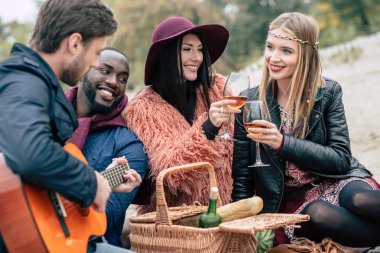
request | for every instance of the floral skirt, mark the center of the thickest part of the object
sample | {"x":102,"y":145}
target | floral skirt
{"x":328,"y":190}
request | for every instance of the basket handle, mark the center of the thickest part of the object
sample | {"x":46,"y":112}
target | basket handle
{"x":162,"y":212}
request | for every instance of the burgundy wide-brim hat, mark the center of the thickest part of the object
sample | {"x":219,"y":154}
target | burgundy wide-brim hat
{"x":214,"y":36}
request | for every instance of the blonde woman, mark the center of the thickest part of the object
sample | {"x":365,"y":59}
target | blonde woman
{"x":306,"y":144}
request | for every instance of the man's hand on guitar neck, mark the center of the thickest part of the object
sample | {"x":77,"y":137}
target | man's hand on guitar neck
{"x":132,"y":179}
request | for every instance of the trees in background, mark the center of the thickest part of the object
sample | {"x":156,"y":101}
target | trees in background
{"x":342,"y":20}
{"x":10,"y":33}
{"x":247,"y":20}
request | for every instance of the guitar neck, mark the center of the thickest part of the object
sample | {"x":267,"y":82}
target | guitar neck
{"x":114,"y":175}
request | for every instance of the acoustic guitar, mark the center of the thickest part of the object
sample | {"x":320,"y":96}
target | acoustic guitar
{"x":34,"y":220}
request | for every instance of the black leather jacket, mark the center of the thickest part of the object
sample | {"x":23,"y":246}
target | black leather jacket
{"x":324,"y":152}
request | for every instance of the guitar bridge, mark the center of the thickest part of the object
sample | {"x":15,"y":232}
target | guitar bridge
{"x":60,"y":211}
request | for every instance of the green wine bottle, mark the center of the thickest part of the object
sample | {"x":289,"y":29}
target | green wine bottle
{"x":211,"y":218}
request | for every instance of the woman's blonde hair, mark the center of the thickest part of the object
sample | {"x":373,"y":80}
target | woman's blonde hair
{"x":307,"y":77}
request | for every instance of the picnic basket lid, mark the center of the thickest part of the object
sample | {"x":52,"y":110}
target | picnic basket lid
{"x":175,"y":213}
{"x":262,"y":222}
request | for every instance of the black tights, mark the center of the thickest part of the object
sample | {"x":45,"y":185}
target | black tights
{"x":355,"y":223}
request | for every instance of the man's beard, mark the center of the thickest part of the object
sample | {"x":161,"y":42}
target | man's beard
{"x":72,"y":74}
{"x":90,"y":93}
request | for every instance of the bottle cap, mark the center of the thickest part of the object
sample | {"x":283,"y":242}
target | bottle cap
{"x":214,"y":192}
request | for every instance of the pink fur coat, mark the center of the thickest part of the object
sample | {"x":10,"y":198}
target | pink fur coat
{"x":170,"y":141}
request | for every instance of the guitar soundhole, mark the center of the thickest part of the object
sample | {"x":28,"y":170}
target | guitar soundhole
{"x":83,"y":211}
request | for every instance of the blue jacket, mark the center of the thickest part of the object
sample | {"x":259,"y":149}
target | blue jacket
{"x":36,"y":120}
{"x":99,"y":149}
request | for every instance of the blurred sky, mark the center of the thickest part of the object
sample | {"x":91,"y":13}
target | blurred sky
{"x":20,"y":10}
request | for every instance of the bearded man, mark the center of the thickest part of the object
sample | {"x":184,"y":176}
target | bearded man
{"x":102,"y":133}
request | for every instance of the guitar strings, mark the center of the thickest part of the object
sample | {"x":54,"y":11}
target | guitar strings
{"x":114,"y":176}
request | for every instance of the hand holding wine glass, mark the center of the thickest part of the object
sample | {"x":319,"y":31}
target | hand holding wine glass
{"x":220,"y":111}
{"x":235,"y":85}
{"x":252,"y":112}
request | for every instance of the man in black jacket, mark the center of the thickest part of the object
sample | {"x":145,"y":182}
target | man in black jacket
{"x":36,"y":119}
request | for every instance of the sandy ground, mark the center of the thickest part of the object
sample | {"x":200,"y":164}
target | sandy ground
{"x":360,"y":82}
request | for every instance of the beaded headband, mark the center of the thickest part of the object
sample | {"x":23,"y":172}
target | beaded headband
{"x":315,"y":45}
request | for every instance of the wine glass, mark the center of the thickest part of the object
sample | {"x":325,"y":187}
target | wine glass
{"x":235,"y":85}
{"x":255,"y":110}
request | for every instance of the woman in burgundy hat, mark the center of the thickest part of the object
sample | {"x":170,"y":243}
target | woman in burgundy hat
{"x":179,"y":113}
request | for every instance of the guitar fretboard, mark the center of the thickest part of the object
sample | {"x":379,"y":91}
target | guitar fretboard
{"x":114,"y":175}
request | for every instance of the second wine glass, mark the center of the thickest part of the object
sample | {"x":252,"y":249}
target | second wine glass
{"x":235,"y":85}
{"x":255,"y":110}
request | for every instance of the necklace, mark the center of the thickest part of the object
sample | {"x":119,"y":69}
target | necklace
{"x":287,"y":120}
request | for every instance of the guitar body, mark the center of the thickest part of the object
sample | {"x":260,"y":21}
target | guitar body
{"x":17,"y":225}
{"x":79,"y":226}
{"x":47,"y":229}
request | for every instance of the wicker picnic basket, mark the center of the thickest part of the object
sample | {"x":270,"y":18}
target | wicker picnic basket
{"x":155,"y":233}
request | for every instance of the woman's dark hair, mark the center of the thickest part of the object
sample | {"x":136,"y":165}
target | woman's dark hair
{"x":169,"y":80}
{"x":57,"y":19}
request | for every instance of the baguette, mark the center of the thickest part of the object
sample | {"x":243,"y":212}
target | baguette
{"x":241,"y":209}
{"x":233,"y":211}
